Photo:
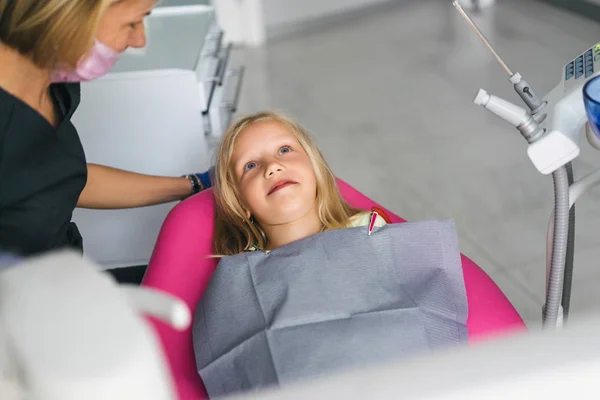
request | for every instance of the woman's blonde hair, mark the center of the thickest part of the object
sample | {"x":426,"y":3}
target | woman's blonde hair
{"x":51,"y":32}
{"x":234,"y":232}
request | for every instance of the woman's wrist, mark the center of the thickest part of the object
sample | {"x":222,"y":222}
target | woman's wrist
{"x":194,"y":184}
{"x":206,"y":178}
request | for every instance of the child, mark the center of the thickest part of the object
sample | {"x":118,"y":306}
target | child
{"x":273,"y":186}
{"x":295,"y":294}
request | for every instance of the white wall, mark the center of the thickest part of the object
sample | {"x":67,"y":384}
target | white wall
{"x":468,"y":4}
{"x":278,"y":13}
{"x":241,"y":20}
{"x":250,"y":22}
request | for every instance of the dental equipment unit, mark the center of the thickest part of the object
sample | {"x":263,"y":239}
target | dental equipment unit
{"x":68,"y":331}
{"x":553,"y":127}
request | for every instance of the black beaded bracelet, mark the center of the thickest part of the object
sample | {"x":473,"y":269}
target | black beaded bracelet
{"x":196,"y":184}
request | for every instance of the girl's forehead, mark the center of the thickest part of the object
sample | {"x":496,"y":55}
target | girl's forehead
{"x":266,"y":129}
{"x":260,"y":134}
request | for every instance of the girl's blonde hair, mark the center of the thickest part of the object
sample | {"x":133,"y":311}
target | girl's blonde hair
{"x":234,"y":232}
{"x":51,"y":32}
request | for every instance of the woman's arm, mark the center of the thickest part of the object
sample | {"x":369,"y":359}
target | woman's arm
{"x":111,"y":188}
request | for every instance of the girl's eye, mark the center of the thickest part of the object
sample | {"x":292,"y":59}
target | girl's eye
{"x":249,"y":166}
{"x":285,"y":149}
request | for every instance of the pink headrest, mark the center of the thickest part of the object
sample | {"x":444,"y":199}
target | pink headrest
{"x":179,"y":266}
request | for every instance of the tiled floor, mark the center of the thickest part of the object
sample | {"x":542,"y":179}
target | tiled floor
{"x":389,"y":96}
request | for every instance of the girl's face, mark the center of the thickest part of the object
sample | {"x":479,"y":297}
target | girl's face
{"x":275,"y":176}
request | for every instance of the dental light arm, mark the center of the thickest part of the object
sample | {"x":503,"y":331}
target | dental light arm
{"x":68,"y":331}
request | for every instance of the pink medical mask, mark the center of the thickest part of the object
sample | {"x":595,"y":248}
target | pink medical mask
{"x":95,"y":65}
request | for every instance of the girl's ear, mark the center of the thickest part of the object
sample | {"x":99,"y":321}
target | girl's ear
{"x":249,"y":217}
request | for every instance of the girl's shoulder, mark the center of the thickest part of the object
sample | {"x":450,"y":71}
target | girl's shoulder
{"x":256,"y":248}
{"x":363,"y":218}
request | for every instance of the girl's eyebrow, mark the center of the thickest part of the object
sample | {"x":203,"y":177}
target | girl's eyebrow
{"x":239,"y":163}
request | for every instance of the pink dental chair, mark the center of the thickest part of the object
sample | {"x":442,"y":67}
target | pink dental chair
{"x":178,"y":266}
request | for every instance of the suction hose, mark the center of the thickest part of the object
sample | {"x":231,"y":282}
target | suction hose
{"x":568,"y":280}
{"x":554,"y":288}
{"x":558,"y":288}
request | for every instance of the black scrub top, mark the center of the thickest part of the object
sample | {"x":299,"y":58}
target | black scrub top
{"x":43,"y":171}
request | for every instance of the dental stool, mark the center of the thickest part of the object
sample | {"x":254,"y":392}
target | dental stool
{"x":179,"y":266}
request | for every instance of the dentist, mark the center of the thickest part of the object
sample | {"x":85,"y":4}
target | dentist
{"x":46,"y":48}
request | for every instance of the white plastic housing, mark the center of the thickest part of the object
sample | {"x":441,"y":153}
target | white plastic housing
{"x":565,"y":126}
{"x":73,"y":334}
{"x":509,"y":112}
{"x":552,"y":151}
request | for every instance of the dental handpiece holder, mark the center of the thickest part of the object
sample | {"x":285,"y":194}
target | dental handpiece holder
{"x":553,"y":127}
{"x":514,"y":115}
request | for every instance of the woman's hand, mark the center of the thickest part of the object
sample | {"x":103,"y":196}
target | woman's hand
{"x":206,"y":178}
{"x":111,"y":188}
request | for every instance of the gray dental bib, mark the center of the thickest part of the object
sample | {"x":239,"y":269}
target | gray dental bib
{"x":334,"y":301}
